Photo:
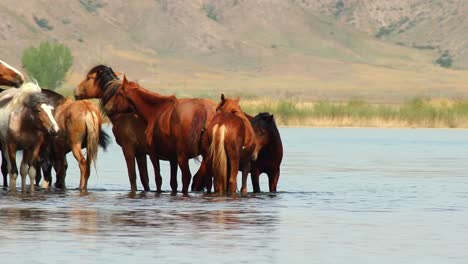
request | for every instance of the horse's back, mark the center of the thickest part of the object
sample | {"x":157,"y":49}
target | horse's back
{"x":189,"y":120}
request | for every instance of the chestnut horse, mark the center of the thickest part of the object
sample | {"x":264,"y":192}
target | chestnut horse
{"x":269,"y":157}
{"x":10,"y":76}
{"x":174,"y":126}
{"x":230,"y":145}
{"x":80,"y":126}
{"x":128,"y":128}
{"x":25,"y":120}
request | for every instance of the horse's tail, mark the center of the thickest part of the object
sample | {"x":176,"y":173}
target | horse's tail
{"x":104,"y":139}
{"x":93,"y":128}
{"x":218,"y":156}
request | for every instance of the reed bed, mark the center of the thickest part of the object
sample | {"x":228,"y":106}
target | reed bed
{"x":419,"y":112}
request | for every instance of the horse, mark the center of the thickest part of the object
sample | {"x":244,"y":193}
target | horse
{"x":10,"y":76}
{"x":25,"y":120}
{"x":230,"y":145}
{"x":269,"y":157}
{"x":80,"y":126}
{"x":271,"y":151}
{"x":174,"y":126}
{"x":128,"y":128}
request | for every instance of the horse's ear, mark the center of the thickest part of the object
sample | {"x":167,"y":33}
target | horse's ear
{"x":118,"y":73}
{"x":237,"y":99}
{"x":223,"y":98}
{"x":125,"y":81}
{"x":270,"y":118}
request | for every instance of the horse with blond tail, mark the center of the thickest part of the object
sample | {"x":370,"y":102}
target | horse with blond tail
{"x":80,"y":123}
{"x":231,"y":144}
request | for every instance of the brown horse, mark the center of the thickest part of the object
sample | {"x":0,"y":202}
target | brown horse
{"x":10,"y":76}
{"x":174,"y":127}
{"x":268,"y":160}
{"x":270,"y":154}
{"x":25,"y":120}
{"x":80,"y":125}
{"x":230,"y":145}
{"x":128,"y":128}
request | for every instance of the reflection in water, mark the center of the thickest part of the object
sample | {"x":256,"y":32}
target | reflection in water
{"x":345,"y":196}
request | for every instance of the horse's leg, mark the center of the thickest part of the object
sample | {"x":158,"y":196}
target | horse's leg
{"x":82,"y":163}
{"x":24,"y":168}
{"x":255,"y":177}
{"x":273,"y":178}
{"x":234,"y":163}
{"x":46,"y":167}
{"x":130,"y":160}
{"x":173,"y":165}
{"x":245,"y":173}
{"x":186,"y":175}
{"x":60,"y":170}
{"x":143,"y":169}
{"x":38,"y":172}
{"x":12,"y":168}
{"x":157,"y":172}
{"x":4,"y":169}
{"x":199,"y":178}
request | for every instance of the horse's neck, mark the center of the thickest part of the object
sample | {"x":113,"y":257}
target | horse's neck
{"x":149,"y":105}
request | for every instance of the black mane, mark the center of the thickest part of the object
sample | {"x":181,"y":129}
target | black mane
{"x":104,"y":77}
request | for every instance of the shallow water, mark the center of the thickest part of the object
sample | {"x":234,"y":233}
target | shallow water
{"x":346,"y":196}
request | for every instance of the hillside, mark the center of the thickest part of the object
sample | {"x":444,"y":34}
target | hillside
{"x":438,"y":25}
{"x":268,"y":48}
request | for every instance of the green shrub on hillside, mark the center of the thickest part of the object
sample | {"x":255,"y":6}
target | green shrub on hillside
{"x":445,"y":60}
{"x":48,"y":63}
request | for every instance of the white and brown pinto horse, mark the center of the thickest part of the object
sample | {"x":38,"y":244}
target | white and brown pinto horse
{"x":25,"y":120}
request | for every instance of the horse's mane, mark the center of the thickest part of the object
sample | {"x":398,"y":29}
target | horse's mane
{"x":37,"y":98}
{"x":55,"y":98}
{"x":104,"y":74}
{"x":23,"y":93}
{"x":109,"y":91}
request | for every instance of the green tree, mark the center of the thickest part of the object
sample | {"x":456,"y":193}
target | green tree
{"x":48,"y":63}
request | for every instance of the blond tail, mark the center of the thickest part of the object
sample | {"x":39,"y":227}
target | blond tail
{"x":219,"y":159}
{"x":92,"y":128}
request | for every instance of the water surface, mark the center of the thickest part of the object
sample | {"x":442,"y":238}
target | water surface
{"x":346,"y":196}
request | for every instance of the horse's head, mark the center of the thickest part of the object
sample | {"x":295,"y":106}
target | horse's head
{"x":229,"y":105}
{"x":95,"y":83}
{"x":42,"y":113}
{"x":263,"y":124}
{"x":10,"y":76}
{"x":119,"y":103}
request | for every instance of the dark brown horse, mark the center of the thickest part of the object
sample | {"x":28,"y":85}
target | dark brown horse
{"x":25,"y":120}
{"x":10,"y":76}
{"x":230,"y":145}
{"x":269,"y":157}
{"x":128,"y":128}
{"x":271,"y":151}
{"x":174,"y":127}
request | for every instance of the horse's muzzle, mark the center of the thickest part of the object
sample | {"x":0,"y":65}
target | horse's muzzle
{"x":53,"y":131}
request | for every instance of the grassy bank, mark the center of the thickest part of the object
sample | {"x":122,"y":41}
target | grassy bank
{"x":437,"y":113}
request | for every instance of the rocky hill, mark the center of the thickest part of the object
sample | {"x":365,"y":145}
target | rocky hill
{"x":311,"y":49}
